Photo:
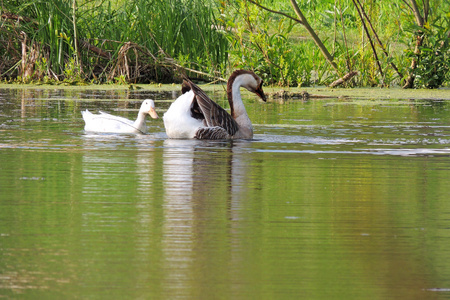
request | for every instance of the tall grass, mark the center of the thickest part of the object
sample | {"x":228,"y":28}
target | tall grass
{"x":148,"y":40}
{"x":46,"y":27}
{"x":139,"y":37}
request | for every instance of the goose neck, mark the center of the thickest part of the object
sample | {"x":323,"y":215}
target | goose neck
{"x":140,"y":121}
{"x":234,"y":98}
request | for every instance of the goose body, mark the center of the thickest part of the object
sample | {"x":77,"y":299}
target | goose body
{"x":104,"y":122}
{"x":195,"y":115}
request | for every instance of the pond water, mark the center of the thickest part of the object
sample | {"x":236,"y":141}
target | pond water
{"x":332,"y":199}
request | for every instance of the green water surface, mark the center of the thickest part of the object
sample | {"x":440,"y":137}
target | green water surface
{"x":332,"y":199}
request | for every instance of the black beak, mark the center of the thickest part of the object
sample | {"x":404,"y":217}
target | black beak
{"x":261,"y":94}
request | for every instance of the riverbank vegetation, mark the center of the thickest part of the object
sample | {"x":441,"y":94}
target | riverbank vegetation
{"x":329,"y":42}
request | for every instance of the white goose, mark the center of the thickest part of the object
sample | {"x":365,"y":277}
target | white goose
{"x":195,"y":115}
{"x":105,"y":122}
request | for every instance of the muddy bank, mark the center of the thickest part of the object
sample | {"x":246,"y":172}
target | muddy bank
{"x":273,"y":93}
{"x":358,"y":93}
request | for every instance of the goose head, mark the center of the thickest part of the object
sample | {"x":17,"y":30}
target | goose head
{"x":148,"y":107}
{"x":248,"y":80}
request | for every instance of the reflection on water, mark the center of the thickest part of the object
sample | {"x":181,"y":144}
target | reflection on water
{"x":330,"y":200}
{"x":179,"y":213}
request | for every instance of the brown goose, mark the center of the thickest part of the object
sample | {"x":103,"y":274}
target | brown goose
{"x":195,"y":115}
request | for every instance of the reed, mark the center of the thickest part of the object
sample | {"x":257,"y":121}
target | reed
{"x":42,"y":30}
{"x":138,"y":39}
{"x":150,"y":40}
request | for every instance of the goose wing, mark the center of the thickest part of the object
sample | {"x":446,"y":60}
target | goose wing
{"x":212,"y":133}
{"x":120,"y":120}
{"x":212,"y":114}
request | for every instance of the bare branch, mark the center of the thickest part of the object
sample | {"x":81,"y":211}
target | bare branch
{"x":407,"y":4}
{"x":275,"y":12}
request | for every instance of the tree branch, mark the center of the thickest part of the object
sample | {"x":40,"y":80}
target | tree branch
{"x":368,"y":36}
{"x":378,"y":39}
{"x":416,"y":11}
{"x":313,"y":34}
{"x":407,"y":4}
{"x":409,"y":82}
{"x":275,"y":12}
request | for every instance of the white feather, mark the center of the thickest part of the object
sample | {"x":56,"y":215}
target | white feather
{"x":178,"y":121}
{"x":105,"y":122}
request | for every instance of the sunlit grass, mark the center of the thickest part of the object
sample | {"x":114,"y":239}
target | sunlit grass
{"x":142,"y":41}
{"x":157,"y":31}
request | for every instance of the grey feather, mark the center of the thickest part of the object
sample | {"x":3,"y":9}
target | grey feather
{"x":212,"y":133}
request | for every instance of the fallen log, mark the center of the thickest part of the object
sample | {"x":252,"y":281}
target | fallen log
{"x":346,"y":78}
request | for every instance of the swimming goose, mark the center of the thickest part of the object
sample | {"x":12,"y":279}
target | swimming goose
{"x":105,"y":122}
{"x":195,"y":115}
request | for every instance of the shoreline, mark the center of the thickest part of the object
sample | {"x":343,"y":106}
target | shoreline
{"x":273,"y":93}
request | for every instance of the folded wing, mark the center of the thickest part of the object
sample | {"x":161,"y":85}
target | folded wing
{"x":212,"y":114}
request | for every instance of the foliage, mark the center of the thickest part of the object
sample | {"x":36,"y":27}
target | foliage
{"x":258,"y":41}
{"x":263,"y":42}
{"x":434,"y":55}
{"x":72,"y":72}
{"x":148,"y":40}
{"x":39,"y":25}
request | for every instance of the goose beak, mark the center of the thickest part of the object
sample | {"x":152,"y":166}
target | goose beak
{"x":261,"y":94}
{"x":153,"y":113}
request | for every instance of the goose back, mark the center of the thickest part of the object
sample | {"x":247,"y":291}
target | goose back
{"x":210,"y":112}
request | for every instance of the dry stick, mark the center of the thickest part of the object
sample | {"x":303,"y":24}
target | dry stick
{"x":347,"y":77}
{"x":136,"y":68}
{"x":24,"y":52}
{"x":426,"y":10}
{"x":29,"y":56}
{"x":369,"y":37}
{"x":407,"y":4}
{"x":378,"y":39}
{"x":321,"y":46}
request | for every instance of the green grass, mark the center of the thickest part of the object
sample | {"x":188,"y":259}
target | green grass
{"x":156,"y":32}
{"x":142,"y":41}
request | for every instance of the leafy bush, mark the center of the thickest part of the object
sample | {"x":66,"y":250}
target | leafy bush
{"x":433,"y":68}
